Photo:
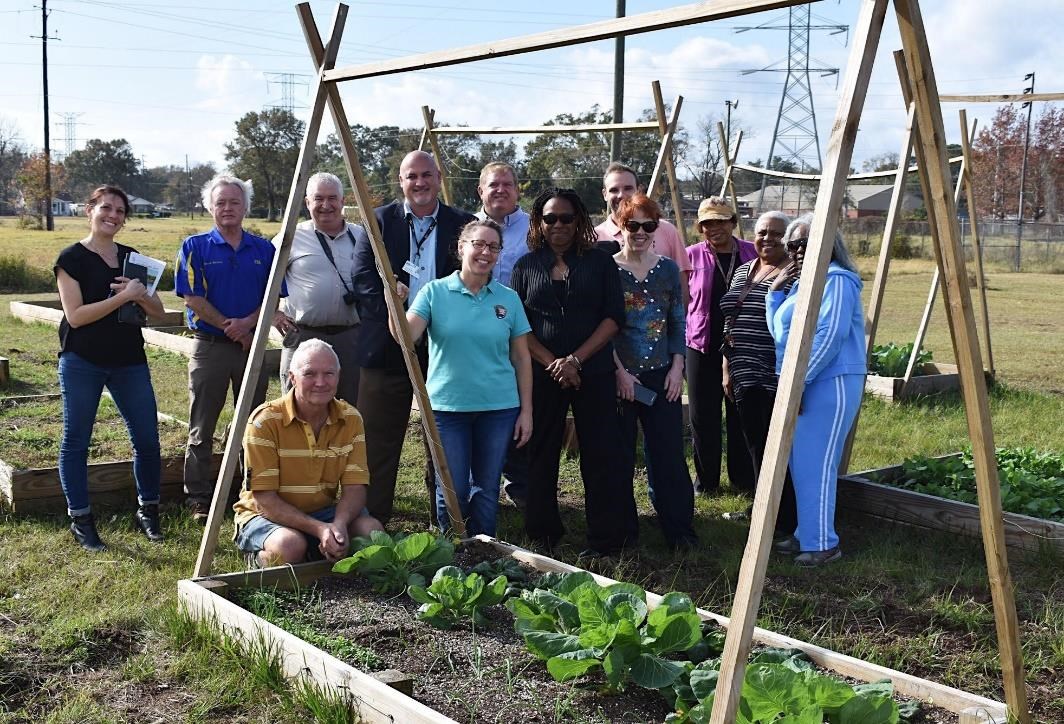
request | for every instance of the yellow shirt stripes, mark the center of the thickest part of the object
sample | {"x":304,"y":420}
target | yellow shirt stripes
{"x":282,"y":454}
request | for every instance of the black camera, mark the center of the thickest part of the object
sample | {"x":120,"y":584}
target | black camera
{"x":350,"y":297}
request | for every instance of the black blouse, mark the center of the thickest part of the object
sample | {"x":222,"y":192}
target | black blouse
{"x":105,"y":342}
{"x":593,"y":294}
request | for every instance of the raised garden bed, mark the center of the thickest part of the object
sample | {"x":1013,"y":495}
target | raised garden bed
{"x":875,"y":492}
{"x":209,"y":599}
{"x":935,"y":378}
{"x":168,"y":333}
{"x":30,"y":430}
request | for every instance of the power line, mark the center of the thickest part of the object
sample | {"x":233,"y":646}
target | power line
{"x":69,"y":124}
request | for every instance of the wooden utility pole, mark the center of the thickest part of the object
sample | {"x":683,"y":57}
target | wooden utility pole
{"x":618,"y":87}
{"x":49,"y":218}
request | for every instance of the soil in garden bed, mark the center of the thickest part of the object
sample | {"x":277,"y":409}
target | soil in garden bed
{"x":486,"y":675}
{"x":30,"y":433}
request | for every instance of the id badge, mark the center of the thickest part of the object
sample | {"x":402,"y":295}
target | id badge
{"x":412,"y":269}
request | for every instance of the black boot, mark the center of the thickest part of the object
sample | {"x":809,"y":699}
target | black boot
{"x":147,"y":520}
{"x":83,"y":527}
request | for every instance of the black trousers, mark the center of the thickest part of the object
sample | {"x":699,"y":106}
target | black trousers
{"x":609,"y":503}
{"x":384,"y":397}
{"x":704,"y":392}
{"x":755,"y":412}
{"x":669,"y":480}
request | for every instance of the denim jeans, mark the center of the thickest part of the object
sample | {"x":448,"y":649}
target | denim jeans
{"x":82,"y":383}
{"x":475,"y":444}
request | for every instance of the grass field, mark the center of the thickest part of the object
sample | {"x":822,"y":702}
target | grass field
{"x":97,"y":638}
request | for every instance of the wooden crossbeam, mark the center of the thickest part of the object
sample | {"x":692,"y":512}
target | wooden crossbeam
{"x":562,"y":37}
{"x":1002,"y":98}
{"x":520,"y":130}
{"x":816,"y":177}
{"x":231,"y":457}
{"x":749,"y":585}
{"x":429,"y":117}
{"x":966,"y":348}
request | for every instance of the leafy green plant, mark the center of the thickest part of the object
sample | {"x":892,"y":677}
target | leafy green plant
{"x":580,"y":626}
{"x":453,"y":596}
{"x":780,"y":685}
{"x":392,"y":564}
{"x":891,"y":360}
{"x":1032,"y":482}
{"x":516,"y":577}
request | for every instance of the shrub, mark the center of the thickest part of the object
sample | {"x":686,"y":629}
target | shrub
{"x":18,"y":276}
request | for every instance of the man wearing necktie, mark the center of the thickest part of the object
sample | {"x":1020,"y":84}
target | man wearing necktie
{"x":420,"y":235}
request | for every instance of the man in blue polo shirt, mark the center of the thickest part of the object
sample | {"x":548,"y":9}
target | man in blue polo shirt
{"x":222,"y":276}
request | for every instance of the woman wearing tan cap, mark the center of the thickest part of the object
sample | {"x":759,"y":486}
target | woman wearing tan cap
{"x":713,"y":263}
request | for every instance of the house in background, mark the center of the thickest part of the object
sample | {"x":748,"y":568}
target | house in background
{"x":141,"y":206}
{"x":61,"y":207}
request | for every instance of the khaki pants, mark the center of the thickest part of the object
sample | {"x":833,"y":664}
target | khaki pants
{"x":216,"y":365}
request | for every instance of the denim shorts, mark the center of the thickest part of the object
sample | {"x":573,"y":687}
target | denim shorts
{"x":251,"y":537}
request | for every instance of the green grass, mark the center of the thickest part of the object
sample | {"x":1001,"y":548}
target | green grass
{"x":82,"y":636}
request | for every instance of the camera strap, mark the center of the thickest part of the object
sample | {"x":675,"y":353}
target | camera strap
{"x":329,"y":254}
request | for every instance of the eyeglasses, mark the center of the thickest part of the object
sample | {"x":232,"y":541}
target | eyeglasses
{"x":648,"y":226}
{"x":485,"y":246}
{"x":796,"y":244}
{"x":552,"y":219}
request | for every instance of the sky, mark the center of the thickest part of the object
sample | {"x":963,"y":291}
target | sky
{"x":173,"y":76}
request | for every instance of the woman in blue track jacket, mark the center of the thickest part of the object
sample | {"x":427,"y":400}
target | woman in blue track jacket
{"x":834,"y":383}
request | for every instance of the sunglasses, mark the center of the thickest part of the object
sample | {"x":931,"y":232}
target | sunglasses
{"x":796,"y":244}
{"x":552,"y":219}
{"x":648,"y":226}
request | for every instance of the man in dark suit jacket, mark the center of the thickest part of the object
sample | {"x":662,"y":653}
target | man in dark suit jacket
{"x":421,"y":237}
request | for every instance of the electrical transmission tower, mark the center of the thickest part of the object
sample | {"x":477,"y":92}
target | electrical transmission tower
{"x":288,"y":82}
{"x":795,"y":143}
{"x":69,"y":124}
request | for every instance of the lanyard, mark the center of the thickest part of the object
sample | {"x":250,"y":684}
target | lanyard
{"x":731,"y":264}
{"x":329,"y":254}
{"x":413,"y":236}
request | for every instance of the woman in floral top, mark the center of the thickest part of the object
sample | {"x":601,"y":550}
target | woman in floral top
{"x":649,"y":354}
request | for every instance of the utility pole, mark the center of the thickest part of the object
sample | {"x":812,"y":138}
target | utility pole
{"x":727,"y":122}
{"x":1023,"y":168}
{"x":188,"y":177}
{"x":69,"y":124}
{"x":49,"y":219}
{"x":618,"y":88}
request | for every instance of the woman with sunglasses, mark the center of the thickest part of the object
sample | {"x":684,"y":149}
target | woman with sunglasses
{"x":834,"y":384}
{"x":713,"y":265}
{"x":650,"y":354}
{"x":572,"y":295}
{"x":749,"y":364}
{"x":480,"y":375}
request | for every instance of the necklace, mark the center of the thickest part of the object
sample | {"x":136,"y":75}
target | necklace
{"x":109,"y":256}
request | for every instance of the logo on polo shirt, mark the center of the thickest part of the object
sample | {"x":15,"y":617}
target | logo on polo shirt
{"x":500,"y":311}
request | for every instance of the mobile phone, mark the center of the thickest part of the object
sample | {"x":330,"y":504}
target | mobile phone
{"x":644,"y":394}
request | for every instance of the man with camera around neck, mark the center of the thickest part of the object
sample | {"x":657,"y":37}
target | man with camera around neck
{"x":321,"y":302}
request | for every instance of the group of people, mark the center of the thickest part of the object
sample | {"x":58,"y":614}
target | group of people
{"x":516,"y":318}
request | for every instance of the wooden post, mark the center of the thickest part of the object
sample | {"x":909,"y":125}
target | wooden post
{"x":5,"y":371}
{"x":795,"y":362}
{"x":966,"y":347}
{"x":729,"y":161}
{"x":430,"y":121}
{"x":885,"y":252}
{"x":230,"y":458}
{"x":977,"y":252}
{"x":395,"y":305}
{"x":670,"y":165}
{"x":665,"y":149}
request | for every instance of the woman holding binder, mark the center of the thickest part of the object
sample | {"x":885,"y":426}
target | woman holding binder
{"x":649,"y":356}
{"x":101,"y":345}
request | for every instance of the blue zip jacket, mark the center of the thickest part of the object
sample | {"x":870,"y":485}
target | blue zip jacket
{"x":839,"y":340}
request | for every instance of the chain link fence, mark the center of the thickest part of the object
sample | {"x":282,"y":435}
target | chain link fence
{"x":1041,"y":248}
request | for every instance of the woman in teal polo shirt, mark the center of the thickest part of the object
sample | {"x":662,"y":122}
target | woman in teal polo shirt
{"x":480,"y":372}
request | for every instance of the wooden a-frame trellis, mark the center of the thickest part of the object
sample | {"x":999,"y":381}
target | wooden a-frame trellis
{"x":665,"y":126}
{"x":931,"y":159}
